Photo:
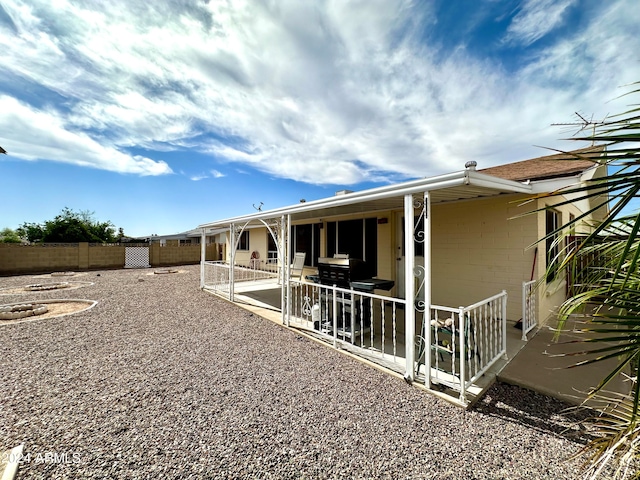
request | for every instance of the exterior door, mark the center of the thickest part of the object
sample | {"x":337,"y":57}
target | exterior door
{"x":400,"y":256}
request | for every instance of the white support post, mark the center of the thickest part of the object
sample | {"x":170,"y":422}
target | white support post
{"x":503,"y":322}
{"x":203,"y":252}
{"x":282,"y":251}
{"x":232,"y":267}
{"x":334,"y":305}
{"x":525,"y":312}
{"x":409,"y":282}
{"x":462,"y":350}
{"x":427,"y":290}
{"x":287,"y":270}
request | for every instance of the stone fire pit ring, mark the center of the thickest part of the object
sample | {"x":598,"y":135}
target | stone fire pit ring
{"x":14,"y":312}
{"x":19,"y":312}
{"x":43,"y":287}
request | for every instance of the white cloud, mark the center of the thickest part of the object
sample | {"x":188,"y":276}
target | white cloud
{"x":537,"y":18}
{"x":338,"y":92}
{"x":36,"y":134}
{"x":202,"y":176}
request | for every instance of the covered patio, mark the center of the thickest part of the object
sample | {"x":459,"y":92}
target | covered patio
{"x":451,"y":350}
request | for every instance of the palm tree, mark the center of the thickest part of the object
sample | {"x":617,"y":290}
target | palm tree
{"x":605,"y":270}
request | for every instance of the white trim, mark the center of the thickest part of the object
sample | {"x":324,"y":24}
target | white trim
{"x":409,"y":288}
{"x":203,"y":254}
{"x":553,"y":184}
{"x":450,"y":180}
{"x":427,"y":290}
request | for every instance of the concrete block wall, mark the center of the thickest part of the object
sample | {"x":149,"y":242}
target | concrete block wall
{"x":21,"y":259}
{"x":16,"y":259}
{"x":106,"y":256}
{"x":480,"y":249}
{"x":175,"y":254}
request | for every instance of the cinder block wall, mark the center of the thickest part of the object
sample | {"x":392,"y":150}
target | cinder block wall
{"x":479,"y":249}
{"x":174,"y":254}
{"x":16,"y":259}
{"x":20,"y":259}
{"x":106,"y":256}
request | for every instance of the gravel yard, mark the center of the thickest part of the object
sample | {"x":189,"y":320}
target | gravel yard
{"x":161,"y":380}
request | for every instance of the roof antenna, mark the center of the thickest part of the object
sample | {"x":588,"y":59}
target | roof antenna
{"x":259,"y":207}
{"x":582,"y":123}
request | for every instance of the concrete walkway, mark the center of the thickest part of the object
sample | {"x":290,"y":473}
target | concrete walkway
{"x":539,"y":366}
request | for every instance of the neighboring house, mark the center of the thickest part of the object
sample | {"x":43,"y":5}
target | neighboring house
{"x":190,"y":237}
{"x":471,"y":260}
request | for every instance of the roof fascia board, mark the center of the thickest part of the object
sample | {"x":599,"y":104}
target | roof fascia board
{"x":388,"y":191}
{"x":489,"y":181}
{"x":554,"y":184}
{"x":455,"y":179}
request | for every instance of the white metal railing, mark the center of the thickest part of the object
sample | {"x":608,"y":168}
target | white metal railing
{"x":466,"y":342}
{"x":370,"y":324}
{"x":217,"y":275}
{"x":254,"y":269}
{"x":529,"y":307}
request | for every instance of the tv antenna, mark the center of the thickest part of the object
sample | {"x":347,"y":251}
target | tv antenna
{"x":583,"y":124}
{"x":259,"y":207}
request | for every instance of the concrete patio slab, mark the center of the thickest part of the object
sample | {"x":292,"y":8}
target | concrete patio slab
{"x":540,"y":366}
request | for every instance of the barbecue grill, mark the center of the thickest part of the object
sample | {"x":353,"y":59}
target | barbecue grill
{"x":342,"y":271}
{"x":349,"y":273}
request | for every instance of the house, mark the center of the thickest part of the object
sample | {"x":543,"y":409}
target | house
{"x":461,"y":246}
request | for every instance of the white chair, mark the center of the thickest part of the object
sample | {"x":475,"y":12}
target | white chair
{"x":295,"y":273}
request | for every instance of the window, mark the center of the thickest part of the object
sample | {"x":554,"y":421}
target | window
{"x":552,"y":223}
{"x":272,"y":250}
{"x":243,"y":243}
{"x":306,"y":238}
{"x":358,"y":238}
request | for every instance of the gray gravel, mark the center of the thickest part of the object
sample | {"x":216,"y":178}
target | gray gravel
{"x":161,"y":380}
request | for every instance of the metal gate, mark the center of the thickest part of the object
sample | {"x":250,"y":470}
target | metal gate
{"x":136,"y":257}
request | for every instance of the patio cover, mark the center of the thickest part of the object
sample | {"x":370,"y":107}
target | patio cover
{"x":461,"y":185}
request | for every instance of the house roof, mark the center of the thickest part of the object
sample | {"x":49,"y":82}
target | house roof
{"x":460,"y":185}
{"x":550,"y":166}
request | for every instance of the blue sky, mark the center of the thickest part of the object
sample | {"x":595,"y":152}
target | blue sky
{"x":159,"y":116}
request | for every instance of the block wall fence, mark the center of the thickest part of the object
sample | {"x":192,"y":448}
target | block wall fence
{"x":47,"y":258}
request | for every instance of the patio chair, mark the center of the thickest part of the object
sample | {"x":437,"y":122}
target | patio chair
{"x":447,"y":328}
{"x":295,"y":272}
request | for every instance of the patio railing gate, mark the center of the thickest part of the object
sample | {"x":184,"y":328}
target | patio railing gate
{"x":466,"y":342}
{"x":529,"y":307}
